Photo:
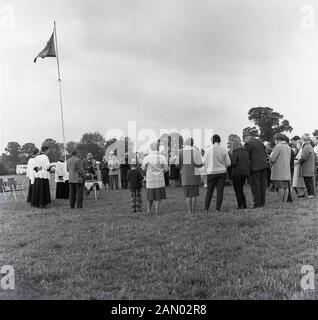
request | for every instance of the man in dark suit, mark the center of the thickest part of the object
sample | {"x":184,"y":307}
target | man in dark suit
{"x":258,"y":169}
{"x":76,"y":180}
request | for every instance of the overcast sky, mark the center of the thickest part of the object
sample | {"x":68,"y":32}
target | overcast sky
{"x":163,"y":63}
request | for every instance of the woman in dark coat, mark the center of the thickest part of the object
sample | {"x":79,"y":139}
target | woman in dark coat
{"x":104,"y":172}
{"x":239,"y":172}
{"x":174,"y":171}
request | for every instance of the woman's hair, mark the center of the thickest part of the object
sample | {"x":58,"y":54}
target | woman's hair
{"x":216,"y":138}
{"x":295,"y":138}
{"x":236,"y":144}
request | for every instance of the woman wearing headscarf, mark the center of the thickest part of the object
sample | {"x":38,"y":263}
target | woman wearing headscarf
{"x":104,"y":172}
{"x":281,"y":171}
{"x":155,"y":164}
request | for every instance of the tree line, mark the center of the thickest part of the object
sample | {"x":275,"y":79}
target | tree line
{"x":267,"y":123}
{"x":15,"y":154}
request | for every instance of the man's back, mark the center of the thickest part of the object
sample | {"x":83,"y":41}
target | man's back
{"x":75,"y":169}
{"x":216,"y":160}
{"x":257,"y":155}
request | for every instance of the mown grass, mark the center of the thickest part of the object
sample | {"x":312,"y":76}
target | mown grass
{"x":106,"y":252}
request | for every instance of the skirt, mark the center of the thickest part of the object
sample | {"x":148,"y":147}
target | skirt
{"x":62,"y":190}
{"x":190,"y":191}
{"x":156,"y":194}
{"x":298,"y":181}
{"x":105,"y":177}
{"x":41,"y":193}
{"x":281,"y":184}
{"x":30,"y":191}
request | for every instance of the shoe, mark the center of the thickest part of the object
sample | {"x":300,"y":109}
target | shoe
{"x":206,"y":211}
{"x":309,"y":197}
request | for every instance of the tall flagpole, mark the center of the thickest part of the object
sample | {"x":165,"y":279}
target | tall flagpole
{"x":60,"y":90}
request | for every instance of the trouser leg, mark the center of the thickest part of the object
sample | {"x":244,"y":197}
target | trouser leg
{"x":220,"y":183}
{"x":72,"y":195}
{"x":209,"y":192}
{"x":243,"y":179}
{"x":133,"y":201}
{"x":236,"y":189}
{"x":79,"y":194}
{"x":111,"y":182}
{"x":138,"y":200}
{"x":263,"y":186}
{"x":309,"y":182}
{"x":255,"y":187}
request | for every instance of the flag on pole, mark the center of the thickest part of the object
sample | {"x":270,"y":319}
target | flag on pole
{"x":49,"y":50}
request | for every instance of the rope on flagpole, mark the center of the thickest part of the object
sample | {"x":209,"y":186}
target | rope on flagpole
{"x":38,"y":128}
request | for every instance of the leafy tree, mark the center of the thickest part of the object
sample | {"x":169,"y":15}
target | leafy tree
{"x":85,"y":148}
{"x":252,"y":131}
{"x":13,"y":149}
{"x":12,"y":156}
{"x":315,"y":133}
{"x":269,"y":122}
{"x":93,"y":138}
{"x":55,"y":151}
{"x":70,"y":147}
{"x":3,"y":168}
{"x":27,"y":151}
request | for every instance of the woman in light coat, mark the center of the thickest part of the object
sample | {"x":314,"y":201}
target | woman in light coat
{"x":280,"y":162}
{"x":298,"y":179}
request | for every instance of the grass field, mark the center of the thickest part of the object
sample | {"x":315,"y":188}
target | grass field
{"x":105,"y":252}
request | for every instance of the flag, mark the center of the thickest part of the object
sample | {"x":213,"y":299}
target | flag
{"x":49,"y":50}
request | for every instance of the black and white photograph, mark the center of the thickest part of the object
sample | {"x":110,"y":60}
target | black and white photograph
{"x":158,"y":150}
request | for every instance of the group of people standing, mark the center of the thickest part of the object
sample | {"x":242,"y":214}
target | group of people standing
{"x":38,"y":171}
{"x":113,"y":172}
{"x":290,"y":165}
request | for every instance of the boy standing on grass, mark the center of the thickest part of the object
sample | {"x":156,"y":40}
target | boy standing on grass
{"x":134,"y":178}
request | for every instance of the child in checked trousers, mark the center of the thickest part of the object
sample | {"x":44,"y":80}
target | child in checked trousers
{"x":135,"y":178}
